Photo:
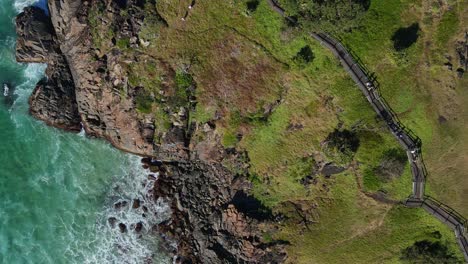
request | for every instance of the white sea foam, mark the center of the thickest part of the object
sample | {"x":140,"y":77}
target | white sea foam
{"x":34,"y":71}
{"x":130,"y":247}
{"x":6,"y":47}
{"x":21,"y":4}
{"x":70,"y":168}
{"x":106,"y":244}
{"x":82,"y":132}
{"x":32,"y":74}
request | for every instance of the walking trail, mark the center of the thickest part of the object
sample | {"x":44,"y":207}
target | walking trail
{"x":407,"y":139}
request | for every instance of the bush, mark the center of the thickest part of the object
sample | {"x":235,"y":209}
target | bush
{"x":183,"y":80}
{"x":184,"y":83}
{"x":252,"y":5}
{"x":344,"y":141}
{"x":392,"y":164}
{"x":330,"y":16}
{"x":428,"y":252}
{"x":342,"y":146}
{"x":304,"y":56}
{"x":403,"y":38}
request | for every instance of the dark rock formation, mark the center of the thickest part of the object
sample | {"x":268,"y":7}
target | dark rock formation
{"x":122,"y":227}
{"x":138,"y":227}
{"x":35,"y":41}
{"x":330,"y":169}
{"x":53,"y":99}
{"x":211,"y":220}
{"x":136,"y":203}
{"x":462,"y":53}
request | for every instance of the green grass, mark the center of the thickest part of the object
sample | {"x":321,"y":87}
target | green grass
{"x":219,"y":45}
{"x":448,"y":27}
{"x":371,"y":181}
{"x":273,"y":150}
{"x":202,"y":114}
{"x":183,"y":80}
{"x":101,"y":35}
{"x":162,"y":124}
{"x":415,"y":81}
{"x":144,"y":102}
{"x":123,"y":43}
{"x":355,"y":229}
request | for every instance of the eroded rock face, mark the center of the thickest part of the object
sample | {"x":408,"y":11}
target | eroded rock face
{"x":53,"y":99}
{"x":104,"y":111}
{"x":35,"y":36}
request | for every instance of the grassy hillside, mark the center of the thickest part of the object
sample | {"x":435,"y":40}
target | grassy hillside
{"x":271,"y":91}
{"x":417,"y":82}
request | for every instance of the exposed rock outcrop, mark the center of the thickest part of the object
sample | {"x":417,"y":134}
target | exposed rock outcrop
{"x":211,"y":220}
{"x":104,"y":111}
{"x":35,"y":41}
{"x":53,"y":99}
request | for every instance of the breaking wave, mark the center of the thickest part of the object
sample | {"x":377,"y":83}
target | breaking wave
{"x":67,"y":198}
{"x":19,"y":5}
{"x":31,"y":76}
{"x":129,"y":219}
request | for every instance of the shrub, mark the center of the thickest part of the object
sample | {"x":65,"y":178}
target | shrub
{"x":392,"y":164}
{"x":183,"y":80}
{"x":252,"y":5}
{"x":342,"y":145}
{"x":403,"y":38}
{"x":344,"y":141}
{"x":304,"y":56}
{"x":331,"y":16}
{"x":428,"y":252}
{"x":184,"y":83}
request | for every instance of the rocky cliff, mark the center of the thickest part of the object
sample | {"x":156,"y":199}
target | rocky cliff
{"x":102,"y":109}
{"x":53,"y":99}
{"x":88,"y":85}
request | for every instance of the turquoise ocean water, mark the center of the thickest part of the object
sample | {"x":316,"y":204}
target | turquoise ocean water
{"x":58,"y":189}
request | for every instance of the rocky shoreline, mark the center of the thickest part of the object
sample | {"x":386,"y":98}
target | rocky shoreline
{"x":214,"y":219}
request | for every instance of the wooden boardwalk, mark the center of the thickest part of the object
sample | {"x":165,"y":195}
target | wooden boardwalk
{"x":407,"y":139}
{"x":410,"y":142}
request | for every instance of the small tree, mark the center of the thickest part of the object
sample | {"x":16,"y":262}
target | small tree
{"x":304,"y":56}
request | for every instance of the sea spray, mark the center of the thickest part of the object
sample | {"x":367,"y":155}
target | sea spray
{"x":32,"y":73}
{"x":21,"y":4}
{"x":129,"y":219}
{"x":59,"y":189}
